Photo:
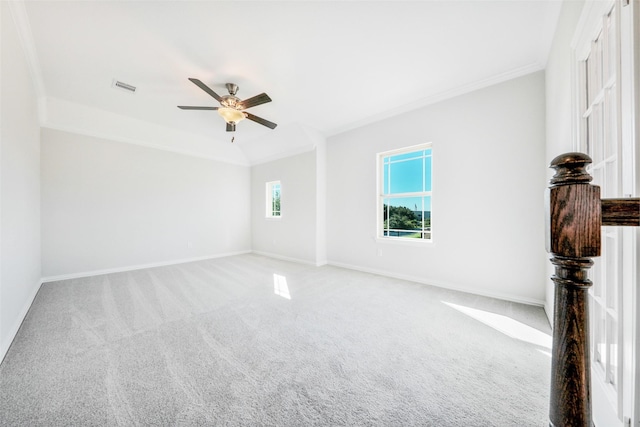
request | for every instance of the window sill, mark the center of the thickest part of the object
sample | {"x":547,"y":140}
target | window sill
{"x":405,"y":242}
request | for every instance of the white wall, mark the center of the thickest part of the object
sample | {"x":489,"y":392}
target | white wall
{"x":560,"y":125}
{"x":293,"y":235}
{"x":489,"y":180}
{"x":20,"y":185}
{"x":111,"y":205}
{"x":321,"y":203}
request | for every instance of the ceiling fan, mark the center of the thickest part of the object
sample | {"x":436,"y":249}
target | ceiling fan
{"x":231,"y":107}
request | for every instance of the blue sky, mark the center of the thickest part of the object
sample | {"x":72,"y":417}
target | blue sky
{"x":406,"y":173}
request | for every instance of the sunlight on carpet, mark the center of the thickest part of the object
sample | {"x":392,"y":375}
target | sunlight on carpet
{"x":280,"y":286}
{"x":507,"y":326}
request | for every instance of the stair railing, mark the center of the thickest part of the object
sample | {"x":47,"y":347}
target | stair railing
{"x":575,"y":215}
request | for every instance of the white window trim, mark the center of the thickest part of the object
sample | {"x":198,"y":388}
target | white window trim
{"x":628,"y":404}
{"x":379,"y":237}
{"x":269,"y":200}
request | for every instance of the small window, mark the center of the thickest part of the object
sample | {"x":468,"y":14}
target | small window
{"x":404,"y":193}
{"x":273,"y":199}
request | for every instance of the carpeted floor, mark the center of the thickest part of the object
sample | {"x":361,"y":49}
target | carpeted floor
{"x":253,"y":341}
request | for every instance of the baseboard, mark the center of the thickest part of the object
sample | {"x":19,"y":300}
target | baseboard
{"x":6,"y":343}
{"x":138,"y":267}
{"x":290,"y":259}
{"x":4,"y":346}
{"x":444,"y":285}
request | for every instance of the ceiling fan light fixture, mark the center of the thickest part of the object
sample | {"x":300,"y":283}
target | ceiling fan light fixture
{"x":231,"y":115}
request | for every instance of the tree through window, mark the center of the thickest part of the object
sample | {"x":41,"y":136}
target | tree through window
{"x":404,"y":193}
{"x":273,"y":199}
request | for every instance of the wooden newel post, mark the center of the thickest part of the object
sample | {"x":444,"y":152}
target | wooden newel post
{"x":575,"y":217}
{"x":576,"y":214}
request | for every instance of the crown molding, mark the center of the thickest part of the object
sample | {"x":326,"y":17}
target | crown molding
{"x":283,"y":155}
{"x":23,"y":26}
{"x":439,"y":97}
{"x":80,"y":119}
{"x":140,"y":142}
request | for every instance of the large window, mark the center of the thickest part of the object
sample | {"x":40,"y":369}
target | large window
{"x":404,"y":193}
{"x":273,"y":199}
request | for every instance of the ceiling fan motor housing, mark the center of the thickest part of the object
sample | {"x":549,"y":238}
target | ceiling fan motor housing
{"x":232,"y":88}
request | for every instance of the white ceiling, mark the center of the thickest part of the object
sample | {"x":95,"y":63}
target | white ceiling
{"x":329,"y":66}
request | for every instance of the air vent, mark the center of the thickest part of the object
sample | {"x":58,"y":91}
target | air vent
{"x":123,"y":86}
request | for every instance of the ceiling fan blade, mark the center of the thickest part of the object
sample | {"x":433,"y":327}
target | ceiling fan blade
{"x":231,"y":127}
{"x":260,"y":120}
{"x":185,"y":107}
{"x":206,"y":88}
{"x":256,"y":100}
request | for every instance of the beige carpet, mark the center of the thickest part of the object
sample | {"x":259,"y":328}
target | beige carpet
{"x":253,"y":341}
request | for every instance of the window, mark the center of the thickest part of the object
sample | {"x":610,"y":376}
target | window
{"x":273,"y":199}
{"x":404,"y":193}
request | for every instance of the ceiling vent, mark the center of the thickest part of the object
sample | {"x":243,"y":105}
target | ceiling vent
{"x":123,"y":86}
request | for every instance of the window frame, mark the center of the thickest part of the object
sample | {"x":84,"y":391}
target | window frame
{"x":270,"y":212}
{"x":381,"y":196}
